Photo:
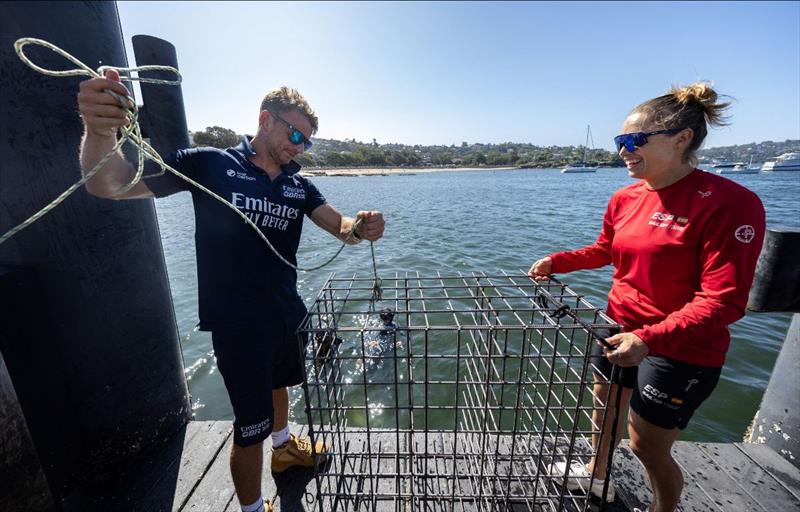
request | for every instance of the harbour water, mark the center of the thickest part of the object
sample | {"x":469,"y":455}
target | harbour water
{"x":489,"y":221}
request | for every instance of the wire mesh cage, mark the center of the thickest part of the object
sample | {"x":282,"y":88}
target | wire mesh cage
{"x":462,"y":392}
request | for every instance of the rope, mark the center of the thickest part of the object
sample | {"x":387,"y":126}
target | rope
{"x":132,"y":133}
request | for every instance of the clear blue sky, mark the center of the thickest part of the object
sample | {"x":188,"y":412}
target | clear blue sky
{"x":443,"y":73}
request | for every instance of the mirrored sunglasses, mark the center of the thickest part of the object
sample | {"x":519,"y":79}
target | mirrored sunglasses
{"x":635,"y":140}
{"x":295,"y":135}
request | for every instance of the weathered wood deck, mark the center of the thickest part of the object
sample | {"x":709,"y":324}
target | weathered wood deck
{"x":190,"y":473}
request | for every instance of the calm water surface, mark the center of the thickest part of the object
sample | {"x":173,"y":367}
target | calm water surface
{"x":489,"y":221}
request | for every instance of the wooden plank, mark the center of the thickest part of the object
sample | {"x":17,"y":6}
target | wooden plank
{"x":145,"y":483}
{"x":775,"y":465}
{"x":756,"y":482}
{"x":215,"y":489}
{"x":199,"y":453}
{"x":707,"y":474}
{"x":201,"y":442}
{"x":628,"y":476}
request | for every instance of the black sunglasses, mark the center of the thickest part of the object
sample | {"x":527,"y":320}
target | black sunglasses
{"x":631,"y":141}
{"x":295,"y":135}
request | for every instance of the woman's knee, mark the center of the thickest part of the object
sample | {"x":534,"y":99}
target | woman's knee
{"x":650,"y":453}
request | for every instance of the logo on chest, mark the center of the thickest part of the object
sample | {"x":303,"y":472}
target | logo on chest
{"x":668,"y":221}
{"x":240,"y":175}
{"x":290,"y":192}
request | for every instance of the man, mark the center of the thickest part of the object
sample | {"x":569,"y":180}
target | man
{"x":248,"y":297}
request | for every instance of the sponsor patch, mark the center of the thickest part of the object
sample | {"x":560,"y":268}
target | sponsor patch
{"x":293,"y":192}
{"x":239,"y":174}
{"x":745,"y":234}
{"x":255,"y":429}
{"x":668,"y":220}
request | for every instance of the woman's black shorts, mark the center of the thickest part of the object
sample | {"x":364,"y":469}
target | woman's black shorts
{"x":666,"y":391}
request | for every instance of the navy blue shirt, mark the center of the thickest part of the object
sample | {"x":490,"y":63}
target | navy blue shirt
{"x":239,"y":277}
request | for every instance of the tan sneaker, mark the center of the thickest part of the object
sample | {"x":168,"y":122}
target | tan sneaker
{"x":297,"y":452}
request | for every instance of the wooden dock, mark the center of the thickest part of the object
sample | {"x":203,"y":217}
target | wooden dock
{"x":190,"y":473}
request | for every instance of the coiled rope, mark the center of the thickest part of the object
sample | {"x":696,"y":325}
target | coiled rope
{"x":132,"y":133}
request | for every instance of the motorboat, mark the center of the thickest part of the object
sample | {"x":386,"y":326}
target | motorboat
{"x":785,"y":162}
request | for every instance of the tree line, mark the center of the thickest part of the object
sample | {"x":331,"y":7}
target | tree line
{"x":330,"y":153}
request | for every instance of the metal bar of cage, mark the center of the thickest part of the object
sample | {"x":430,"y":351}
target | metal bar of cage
{"x":479,"y":391}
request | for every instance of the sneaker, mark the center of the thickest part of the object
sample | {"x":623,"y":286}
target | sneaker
{"x":297,"y":452}
{"x":579,"y":478}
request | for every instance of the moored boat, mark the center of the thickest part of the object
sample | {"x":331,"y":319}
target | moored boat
{"x":785,"y":162}
{"x":582,"y":166}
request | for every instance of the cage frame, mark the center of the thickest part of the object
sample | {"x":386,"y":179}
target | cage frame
{"x":552,"y":307}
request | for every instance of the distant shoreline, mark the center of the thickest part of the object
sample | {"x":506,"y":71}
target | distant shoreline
{"x":382,"y":171}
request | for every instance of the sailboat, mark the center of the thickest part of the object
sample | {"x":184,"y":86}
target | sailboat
{"x":742,"y":168}
{"x":582,"y":166}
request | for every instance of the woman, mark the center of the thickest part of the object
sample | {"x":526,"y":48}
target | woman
{"x":684,"y":245}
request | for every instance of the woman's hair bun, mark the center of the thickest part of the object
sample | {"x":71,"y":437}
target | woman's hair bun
{"x":704,"y":94}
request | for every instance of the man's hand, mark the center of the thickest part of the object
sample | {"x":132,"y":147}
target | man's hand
{"x":541,"y":269}
{"x":102,"y":115}
{"x":629,"y":349}
{"x":371,"y":225}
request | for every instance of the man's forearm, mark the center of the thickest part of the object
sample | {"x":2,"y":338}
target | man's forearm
{"x":114,"y":175}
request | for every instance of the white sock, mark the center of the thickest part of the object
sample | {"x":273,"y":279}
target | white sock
{"x":280,"y":437}
{"x":256,"y":506}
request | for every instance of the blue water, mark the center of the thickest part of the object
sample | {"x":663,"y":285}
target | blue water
{"x":489,"y":221}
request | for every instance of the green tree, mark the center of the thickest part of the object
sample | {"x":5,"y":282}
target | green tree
{"x":216,"y":137}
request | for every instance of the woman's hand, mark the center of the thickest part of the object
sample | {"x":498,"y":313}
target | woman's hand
{"x":541,"y":269}
{"x":629,"y":349}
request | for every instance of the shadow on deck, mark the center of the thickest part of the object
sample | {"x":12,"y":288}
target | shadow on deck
{"x":190,"y":473}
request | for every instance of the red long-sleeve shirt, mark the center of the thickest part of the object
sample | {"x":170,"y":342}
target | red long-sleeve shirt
{"x":684,"y":258}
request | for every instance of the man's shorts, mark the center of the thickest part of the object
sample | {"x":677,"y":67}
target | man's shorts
{"x":666,"y":391}
{"x":254,"y":359}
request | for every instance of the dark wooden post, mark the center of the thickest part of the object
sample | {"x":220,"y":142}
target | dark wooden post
{"x":105,"y":297}
{"x":777,"y":288}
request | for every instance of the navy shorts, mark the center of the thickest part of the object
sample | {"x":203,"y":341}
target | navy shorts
{"x":253,"y":360}
{"x":666,"y":391}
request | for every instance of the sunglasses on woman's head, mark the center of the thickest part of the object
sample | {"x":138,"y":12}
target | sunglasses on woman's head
{"x":295,"y":135}
{"x":631,"y":141}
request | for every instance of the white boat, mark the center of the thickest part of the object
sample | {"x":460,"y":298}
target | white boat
{"x":740,"y":168}
{"x":721,"y":166}
{"x":582,"y":166}
{"x":785,"y":162}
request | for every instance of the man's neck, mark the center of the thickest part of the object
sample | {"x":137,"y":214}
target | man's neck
{"x":262,"y":160}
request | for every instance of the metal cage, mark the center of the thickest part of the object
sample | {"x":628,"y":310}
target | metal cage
{"x":465,"y":400}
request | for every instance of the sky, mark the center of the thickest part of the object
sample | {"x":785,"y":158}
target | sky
{"x":452,"y":72}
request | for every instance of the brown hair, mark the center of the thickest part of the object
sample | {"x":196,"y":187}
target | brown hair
{"x":694,"y":106}
{"x":284,"y":99}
